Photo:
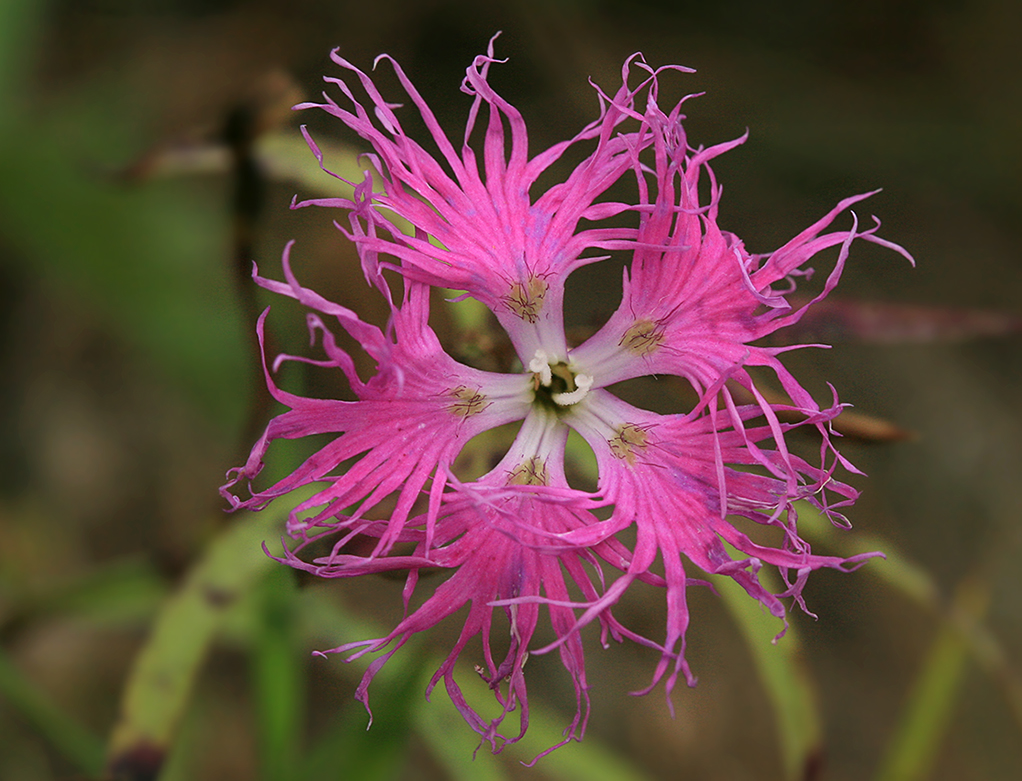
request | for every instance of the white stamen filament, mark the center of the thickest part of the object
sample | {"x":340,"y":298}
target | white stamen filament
{"x":541,"y":365}
{"x":582,"y":384}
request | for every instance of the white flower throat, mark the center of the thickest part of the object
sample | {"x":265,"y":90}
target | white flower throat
{"x":563,"y":386}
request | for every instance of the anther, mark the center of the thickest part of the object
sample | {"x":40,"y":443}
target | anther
{"x":540,"y":365}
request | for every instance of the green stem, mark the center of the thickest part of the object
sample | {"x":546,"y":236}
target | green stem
{"x":160,"y":685}
{"x":279,"y":673}
{"x":927,"y":715}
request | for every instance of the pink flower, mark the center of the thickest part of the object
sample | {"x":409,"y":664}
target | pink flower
{"x":520,"y":541}
{"x":477,"y":227}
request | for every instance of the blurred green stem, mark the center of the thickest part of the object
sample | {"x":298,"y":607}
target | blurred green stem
{"x":160,"y":684}
{"x":279,"y":672}
{"x":917,"y":739}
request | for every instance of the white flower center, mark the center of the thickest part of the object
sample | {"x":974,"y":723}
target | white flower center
{"x":563,"y":385}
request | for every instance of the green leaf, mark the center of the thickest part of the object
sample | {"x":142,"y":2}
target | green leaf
{"x":895,"y":569}
{"x":468,"y":314}
{"x":452,"y":742}
{"x":924,"y":723}
{"x":782,"y":672}
{"x":914,"y":582}
{"x":398,"y":690}
{"x":117,"y":593}
{"x":72,"y":741}
{"x":353,"y":749}
{"x":458,"y":748}
{"x":350,"y":748}
{"x":19,"y":27}
{"x":284,"y":155}
{"x":590,"y":760}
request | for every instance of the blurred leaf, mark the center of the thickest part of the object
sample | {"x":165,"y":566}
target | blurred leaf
{"x":279,"y":675}
{"x":924,"y":723}
{"x":119,"y":592}
{"x":454,"y":745}
{"x":914,"y":582}
{"x":590,"y":760}
{"x":160,"y":685}
{"x":458,"y":748}
{"x":398,"y":690}
{"x":894,"y":569}
{"x":151,"y":261}
{"x":783,"y":674}
{"x":287,"y":157}
{"x":469,"y":315}
{"x":850,"y":423}
{"x":72,"y":741}
{"x":353,"y":749}
{"x":19,"y":26}
{"x":868,"y":428}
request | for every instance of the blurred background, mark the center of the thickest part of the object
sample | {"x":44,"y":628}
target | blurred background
{"x":138,"y":178}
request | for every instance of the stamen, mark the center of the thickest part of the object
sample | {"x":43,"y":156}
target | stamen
{"x":643,"y":337}
{"x":627,"y":441}
{"x":583,"y":382}
{"x":525,"y":299}
{"x":531,"y":472}
{"x":467,"y":401}
{"x":541,"y":365}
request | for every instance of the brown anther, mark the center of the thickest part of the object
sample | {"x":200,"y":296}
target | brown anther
{"x":532,"y":472}
{"x":643,"y":337}
{"x":467,"y":401}
{"x":526,"y":299}
{"x":629,"y":440}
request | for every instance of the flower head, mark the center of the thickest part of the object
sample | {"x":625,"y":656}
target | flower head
{"x":520,"y":541}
